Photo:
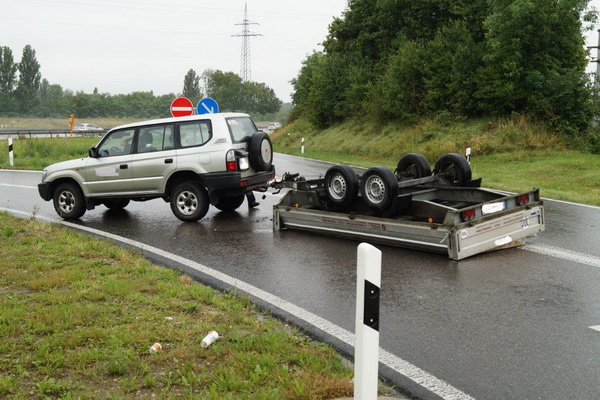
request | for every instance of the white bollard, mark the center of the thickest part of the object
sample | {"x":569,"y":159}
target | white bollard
{"x":468,"y":154}
{"x":366,"y":346}
{"x":302,"y":147}
{"x":11,"y":160}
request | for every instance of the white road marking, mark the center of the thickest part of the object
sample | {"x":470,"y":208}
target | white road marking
{"x":18,"y":186}
{"x":564,"y":254}
{"x":412,"y":372}
{"x":29,"y":171}
{"x":595,"y":327}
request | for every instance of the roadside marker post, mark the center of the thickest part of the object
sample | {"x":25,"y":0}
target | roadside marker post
{"x":468,"y":155}
{"x":11,"y":160}
{"x":302,"y":146}
{"x":366,"y":346}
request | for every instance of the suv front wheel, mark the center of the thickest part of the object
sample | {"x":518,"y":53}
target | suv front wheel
{"x":189,"y":201}
{"x":69,"y":201}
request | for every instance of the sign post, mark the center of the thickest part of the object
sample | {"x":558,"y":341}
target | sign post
{"x":71,"y":123}
{"x":182,"y":107}
{"x":366,"y":347}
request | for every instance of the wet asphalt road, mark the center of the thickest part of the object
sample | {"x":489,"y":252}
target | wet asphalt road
{"x":512,"y":324}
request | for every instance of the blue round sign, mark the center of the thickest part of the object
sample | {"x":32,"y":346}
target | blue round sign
{"x":208,"y":106}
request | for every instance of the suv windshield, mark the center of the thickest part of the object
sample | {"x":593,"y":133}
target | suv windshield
{"x":241,"y":128}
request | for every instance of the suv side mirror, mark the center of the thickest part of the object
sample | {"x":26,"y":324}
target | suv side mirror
{"x":93,"y":152}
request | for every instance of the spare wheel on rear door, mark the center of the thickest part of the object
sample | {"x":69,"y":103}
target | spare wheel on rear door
{"x":260,"y":151}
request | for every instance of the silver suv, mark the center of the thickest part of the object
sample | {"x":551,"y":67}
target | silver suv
{"x":191,"y":162}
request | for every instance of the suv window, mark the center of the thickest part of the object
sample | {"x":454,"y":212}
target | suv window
{"x":241,"y":128}
{"x":117,"y":143}
{"x":194,"y":133}
{"x":155,"y":138}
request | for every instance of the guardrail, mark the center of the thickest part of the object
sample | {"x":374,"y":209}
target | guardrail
{"x":46,"y":133}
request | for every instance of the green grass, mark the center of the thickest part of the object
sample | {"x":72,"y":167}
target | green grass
{"x":508,"y":155}
{"x":58,"y":123}
{"x":39,"y":153}
{"x":78,"y":315}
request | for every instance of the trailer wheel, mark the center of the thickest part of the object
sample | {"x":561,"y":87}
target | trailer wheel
{"x":341,"y":185}
{"x":379,"y":188}
{"x":413,"y":166}
{"x":455,"y":167}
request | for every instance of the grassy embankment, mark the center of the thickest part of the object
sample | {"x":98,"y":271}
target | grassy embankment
{"x":78,"y":316}
{"x":510,"y":155}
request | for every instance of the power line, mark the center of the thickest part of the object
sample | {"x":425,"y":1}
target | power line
{"x":245,"y":68}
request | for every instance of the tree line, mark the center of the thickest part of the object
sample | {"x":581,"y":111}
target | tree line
{"x":23,"y":92}
{"x":407,"y":60}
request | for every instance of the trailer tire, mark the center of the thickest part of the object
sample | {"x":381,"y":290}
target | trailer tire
{"x":341,"y":185}
{"x":455,"y":167}
{"x":413,"y":166}
{"x":260,"y":151}
{"x":379,"y":188}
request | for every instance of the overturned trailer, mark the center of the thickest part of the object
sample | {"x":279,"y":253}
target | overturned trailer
{"x":444,"y":212}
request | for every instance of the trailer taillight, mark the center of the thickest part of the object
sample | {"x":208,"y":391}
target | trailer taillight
{"x":523,"y":199}
{"x":468,"y":215}
{"x":231,"y":163}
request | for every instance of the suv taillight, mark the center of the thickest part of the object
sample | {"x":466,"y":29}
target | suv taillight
{"x":523,"y":199}
{"x":231,"y":163}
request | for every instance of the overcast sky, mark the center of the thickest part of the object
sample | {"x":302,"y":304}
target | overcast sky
{"x":120,"y":46}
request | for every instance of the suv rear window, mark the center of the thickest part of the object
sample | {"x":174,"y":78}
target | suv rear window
{"x":241,"y":128}
{"x":194,"y":133}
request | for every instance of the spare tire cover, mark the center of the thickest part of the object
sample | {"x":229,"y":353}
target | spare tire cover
{"x":260,"y":151}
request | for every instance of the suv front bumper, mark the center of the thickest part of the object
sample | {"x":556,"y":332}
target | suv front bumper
{"x":44,"y":190}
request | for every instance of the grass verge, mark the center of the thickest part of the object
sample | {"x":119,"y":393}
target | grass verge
{"x":508,"y":155}
{"x":78,"y":315}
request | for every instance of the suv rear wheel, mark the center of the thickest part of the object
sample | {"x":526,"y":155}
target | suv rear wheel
{"x":189,"y":201}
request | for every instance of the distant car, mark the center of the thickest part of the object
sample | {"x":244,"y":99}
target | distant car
{"x":87,"y":128}
{"x":272,"y":126}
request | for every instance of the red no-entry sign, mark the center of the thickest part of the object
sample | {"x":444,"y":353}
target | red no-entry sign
{"x":182,"y":107}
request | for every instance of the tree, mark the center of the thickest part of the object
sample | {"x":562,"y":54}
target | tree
{"x":8,"y":70}
{"x":29,"y":80}
{"x":191,"y":86}
{"x":234,"y":95}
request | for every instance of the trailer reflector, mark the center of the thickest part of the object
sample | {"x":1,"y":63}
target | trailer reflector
{"x":468,"y":215}
{"x":523,"y":199}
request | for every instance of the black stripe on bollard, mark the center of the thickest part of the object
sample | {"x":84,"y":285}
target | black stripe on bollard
{"x":371,"y":310}
{"x":10,"y":148}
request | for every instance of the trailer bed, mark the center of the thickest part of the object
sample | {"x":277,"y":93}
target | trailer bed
{"x":433,"y":222}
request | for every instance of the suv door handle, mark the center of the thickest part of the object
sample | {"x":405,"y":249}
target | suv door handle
{"x":168,"y":161}
{"x":123,"y":166}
